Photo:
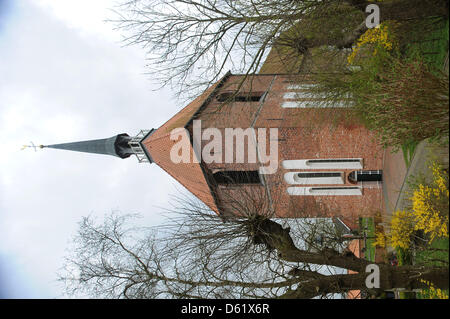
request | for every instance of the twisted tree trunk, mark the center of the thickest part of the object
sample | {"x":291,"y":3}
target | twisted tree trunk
{"x":399,"y":10}
{"x":406,"y":9}
{"x":390,"y":278}
{"x":274,"y":236}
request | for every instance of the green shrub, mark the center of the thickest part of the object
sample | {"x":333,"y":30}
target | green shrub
{"x":398,"y":97}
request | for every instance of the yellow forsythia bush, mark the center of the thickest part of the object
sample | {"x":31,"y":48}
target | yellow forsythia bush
{"x":380,"y":239}
{"x":429,"y":213}
{"x":402,"y":227}
{"x":379,"y":37}
{"x":430,"y":205}
{"x":440,"y":180}
{"x":434,"y":293}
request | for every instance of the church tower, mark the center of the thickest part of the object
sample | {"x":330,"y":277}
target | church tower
{"x":323,"y":167}
{"x":121,"y":145}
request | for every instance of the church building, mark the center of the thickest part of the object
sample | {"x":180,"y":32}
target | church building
{"x":291,"y":154}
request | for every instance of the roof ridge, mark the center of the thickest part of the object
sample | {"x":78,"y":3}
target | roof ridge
{"x":204,"y":95}
{"x":190,"y":175}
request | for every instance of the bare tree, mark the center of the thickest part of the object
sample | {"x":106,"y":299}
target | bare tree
{"x":192,"y":43}
{"x":195,"y":254}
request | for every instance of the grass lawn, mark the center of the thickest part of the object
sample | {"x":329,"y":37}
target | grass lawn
{"x":408,"y":150}
{"x":427,"y":257}
{"x":432,"y":257}
{"x":432,"y":49}
{"x":367,"y":225}
{"x":404,"y":256}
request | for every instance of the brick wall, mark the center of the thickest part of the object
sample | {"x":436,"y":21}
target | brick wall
{"x":302,"y":134}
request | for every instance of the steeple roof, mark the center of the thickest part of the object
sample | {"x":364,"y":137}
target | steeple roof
{"x":115,"y":146}
{"x":159,"y":144}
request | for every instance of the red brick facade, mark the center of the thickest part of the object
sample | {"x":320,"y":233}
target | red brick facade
{"x":303,"y":133}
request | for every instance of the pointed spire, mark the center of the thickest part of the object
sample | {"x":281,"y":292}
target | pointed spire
{"x":116,"y":146}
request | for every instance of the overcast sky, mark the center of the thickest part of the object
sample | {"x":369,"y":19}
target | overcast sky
{"x":64,"y":76}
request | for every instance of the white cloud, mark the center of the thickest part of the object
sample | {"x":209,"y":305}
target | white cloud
{"x":84,"y":16}
{"x":64,"y":79}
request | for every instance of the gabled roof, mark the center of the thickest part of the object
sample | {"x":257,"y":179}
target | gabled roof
{"x":159,"y":144}
{"x":355,"y":247}
{"x":343,"y":225}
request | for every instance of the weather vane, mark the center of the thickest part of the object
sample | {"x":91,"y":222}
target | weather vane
{"x":32,"y":146}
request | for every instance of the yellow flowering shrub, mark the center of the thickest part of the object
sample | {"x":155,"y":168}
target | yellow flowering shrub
{"x":429,"y":213}
{"x":433,"y":292}
{"x":427,"y":217}
{"x":380,"y":239}
{"x":399,"y":234}
{"x":440,"y":179}
{"x":378,"y":37}
{"x":402,"y":227}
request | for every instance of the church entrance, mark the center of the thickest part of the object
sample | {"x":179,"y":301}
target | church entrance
{"x":365,"y":176}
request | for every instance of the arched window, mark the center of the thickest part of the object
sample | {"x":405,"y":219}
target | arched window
{"x":239,"y":97}
{"x":365,"y":176}
{"x":237,"y":177}
{"x":352,"y":177}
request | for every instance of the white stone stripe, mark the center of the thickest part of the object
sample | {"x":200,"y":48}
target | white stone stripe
{"x":325,"y":191}
{"x":303,"y":95}
{"x":313,"y":104}
{"x":299,"y":104}
{"x":303,"y":86}
{"x":306,"y":164}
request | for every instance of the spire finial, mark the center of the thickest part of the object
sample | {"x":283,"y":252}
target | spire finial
{"x":32,"y":146}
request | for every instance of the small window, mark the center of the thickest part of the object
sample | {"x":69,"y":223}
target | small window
{"x":325,"y":191}
{"x":312,"y":175}
{"x":237,"y":177}
{"x":337,"y":160}
{"x":313,"y":189}
{"x":137,"y":145}
{"x":319,"y":178}
{"x":239,"y":97}
{"x":314,"y":178}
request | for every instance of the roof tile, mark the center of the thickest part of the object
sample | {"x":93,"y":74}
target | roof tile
{"x":159,"y":144}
